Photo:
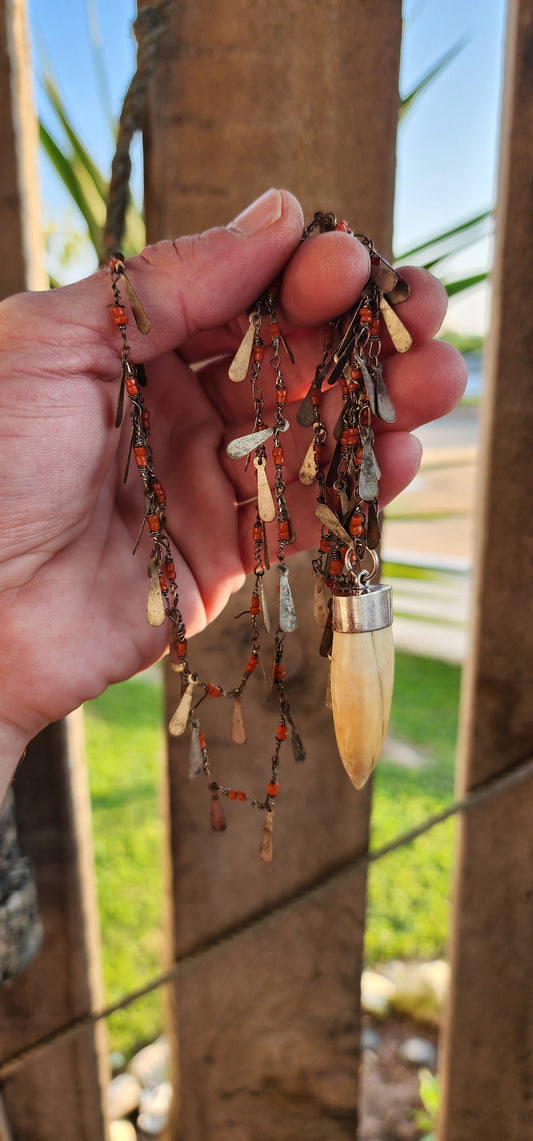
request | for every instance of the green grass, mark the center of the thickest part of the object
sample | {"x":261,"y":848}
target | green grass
{"x":408,"y":890}
{"x":124,"y":742}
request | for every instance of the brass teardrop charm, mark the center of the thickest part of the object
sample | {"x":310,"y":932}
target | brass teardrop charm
{"x":265,"y":502}
{"x":266,"y":848}
{"x":196,"y":760}
{"x":178,"y":722}
{"x":238,"y":728}
{"x":240,"y":364}
{"x":155,"y":607}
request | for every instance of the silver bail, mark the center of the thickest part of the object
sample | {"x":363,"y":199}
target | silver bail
{"x":367,"y":611}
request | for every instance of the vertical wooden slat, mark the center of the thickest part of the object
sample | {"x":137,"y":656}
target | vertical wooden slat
{"x":488,"y":1047}
{"x":22,"y":237}
{"x":246,"y":96}
{"x":58,"y":1094}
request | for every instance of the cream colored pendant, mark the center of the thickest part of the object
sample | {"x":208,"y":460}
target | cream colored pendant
{"x":362,"y":674}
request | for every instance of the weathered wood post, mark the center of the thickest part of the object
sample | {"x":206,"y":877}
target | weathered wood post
{"x":247,"y":96}
{"x":488,"y":1044}
{"x":58,"y":1094}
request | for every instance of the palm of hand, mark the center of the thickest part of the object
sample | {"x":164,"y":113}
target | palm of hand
{"x":72,"y":597}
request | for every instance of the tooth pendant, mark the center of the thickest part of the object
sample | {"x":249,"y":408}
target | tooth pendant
{"x":362,"y":674}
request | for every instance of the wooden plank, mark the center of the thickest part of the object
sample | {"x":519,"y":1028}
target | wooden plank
{"x":278,"y":92}
{"x":248,"y":96}
{"x":22,"y":232}
{"x":488,"y":1044}
{"x":59,"y":1092}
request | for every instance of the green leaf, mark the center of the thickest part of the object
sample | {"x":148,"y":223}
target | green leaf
{"x":72,"y":183}
{"x":409,"y":100}
{"x":78,"y":149}
{"x":462,"y":229}
{"x":453,"y":287}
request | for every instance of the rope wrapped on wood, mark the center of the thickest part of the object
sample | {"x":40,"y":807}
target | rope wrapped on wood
{"x":20,"y":926}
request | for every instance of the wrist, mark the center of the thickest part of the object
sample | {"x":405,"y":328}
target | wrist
{"x":13,"y":741}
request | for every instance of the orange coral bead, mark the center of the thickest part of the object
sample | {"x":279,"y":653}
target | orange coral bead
{"x":255,"y":604}
{"x":278,"y":456}
{"x":343,"y":227}
{"x":272,"y":788}
{"x":283,"y":529}
{"x":258,"y":353}
{"x":251,"y":665}
{"x":336,"y":566}
{"x":232,"y":794}
{"x":201,"y":741}
{"x":324,"y":545}
{"x":132,"y":387}
{"x":318,"y":451}
{"x":170,"y":570}
{"x":314,"y":396}
{"x":154,"y":522}
{"x":159,"y":491}
{"x":279,"y":672}
{"x":214,"y":690}
{"x":365,"y":314}
{"x":281,"y":395}
{"x":356,"y":373}
{"x":258,"y":533}
{"x":274,"y":330}
{"x":141,"y":458}
{"x":281,"y":732}
{"x":145,"y":419}
{"x":241,"y":795}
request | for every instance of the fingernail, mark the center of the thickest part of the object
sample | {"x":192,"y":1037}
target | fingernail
{"x":262,"y":213}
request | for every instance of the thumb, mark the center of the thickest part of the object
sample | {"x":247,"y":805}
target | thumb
{"x":191,"y":284}
{"x":203,"y":281}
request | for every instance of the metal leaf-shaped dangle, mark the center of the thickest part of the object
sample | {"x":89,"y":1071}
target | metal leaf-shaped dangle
{"x":178,"y":722}
{"x":196,"y":760}
{"x":155,"y":607}
{"x":218,"y":820}
{"x":307,"y":473}
{"x":238,"y":728}
{"x":264,"y":607}
{"x":243,"y":445}
{"x":373,"y":536}
{"x":384,"y":406}
{"x":120,"y":402}
{"x":368,"y":480}
{"x":238,"y":368}
{"x":329,"y":519}
{"x":320,"y":606}
{"x":399,"y":335}
{"x":287,"y":614}
{"x":266,"y":848}
{"x":265,"y":502}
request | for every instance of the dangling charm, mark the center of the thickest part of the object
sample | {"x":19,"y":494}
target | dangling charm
{"x":355,"y":616}
{"x":357,"y":635}
{"x":362,"y":675}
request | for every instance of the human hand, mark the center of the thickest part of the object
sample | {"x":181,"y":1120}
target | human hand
{"x":72,"y":597}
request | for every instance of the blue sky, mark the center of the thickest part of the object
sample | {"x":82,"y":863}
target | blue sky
{"x":447,"y":147}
